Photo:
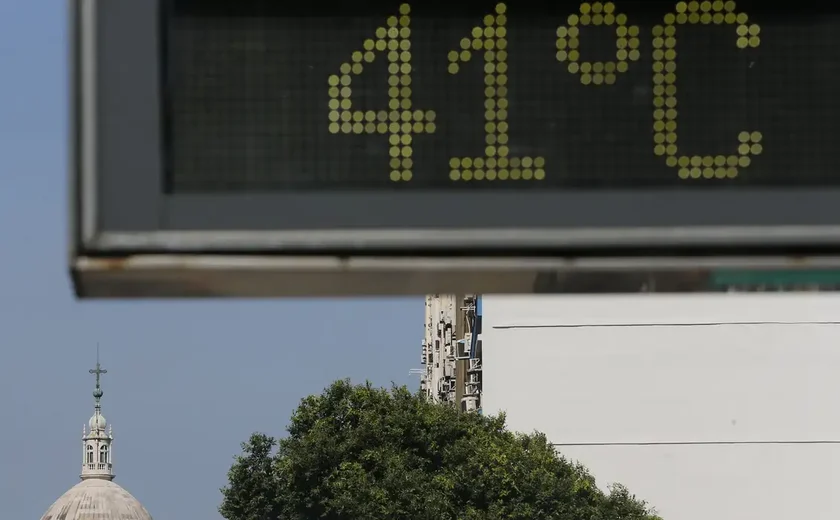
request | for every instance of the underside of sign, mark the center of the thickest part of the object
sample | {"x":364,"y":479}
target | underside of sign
{"x":237,"y":149}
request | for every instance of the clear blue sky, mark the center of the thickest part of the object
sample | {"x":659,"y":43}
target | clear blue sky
{"x":186,"y":382}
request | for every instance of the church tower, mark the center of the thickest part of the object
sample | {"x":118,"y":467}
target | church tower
{"x":96,"y":441}
{"x":97,"y":496}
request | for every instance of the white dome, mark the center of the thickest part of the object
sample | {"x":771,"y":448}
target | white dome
{"x":97,"y":422}
{"x":96,"y":499}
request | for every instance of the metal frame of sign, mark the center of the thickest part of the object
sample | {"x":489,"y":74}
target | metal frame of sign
{"x":129,"y":239}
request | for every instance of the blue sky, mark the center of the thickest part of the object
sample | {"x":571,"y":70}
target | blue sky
{"x":187,"y":381}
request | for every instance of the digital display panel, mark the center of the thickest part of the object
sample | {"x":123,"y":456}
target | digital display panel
{"x":264,"y":96}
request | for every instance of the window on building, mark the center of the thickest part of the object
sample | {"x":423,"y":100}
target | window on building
{"x":103,"y":454}
{"x":90,"y":454}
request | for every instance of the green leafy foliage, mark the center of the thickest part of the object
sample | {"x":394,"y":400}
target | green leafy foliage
{"x":359,"y":452}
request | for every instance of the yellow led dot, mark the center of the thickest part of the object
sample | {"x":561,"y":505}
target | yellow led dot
{"x":394,"y":151}
{"x":357,"y":68}
{"x":717,"y":18}
{"x":334,"y":128}
{"x":609,"y":78}
{"x":347,"y":127}
{"x":515,"y":173}
{"x":406,"y":175}
{"x":405,"y":21}
{"x":395,"y":176}
{"x":659,"y":149}
{"x":694,"y":18}
{"x":527,"y":174}
{"x":755,"y":137}
{"x":729,"y":18}
{"x":562,"y":56}
{"x":705,"y":6}
{"x":562,"y":32}
{"x":453,"y":68}
{"x":489,"y":19}
{"x":732,"y":172}
{"x":490,"y":175}
{"x":717,"y":5}
{"x":466,"y":162}
{"x":742,"y":18}
{"x":743,"y":137}
{"x":597,"y":19}
{"x":466,"y":175}
{"x":501,"y":8}
{"x":539,"y":174}
{"x":671,"y":161}
{"x":696,"y":173}
{"x":743,"y":149}
{"x":452,"y":56}
{"x":561,"y":43}
{"x":585,"y":7}
{"x":586,"y":79}
{"x":478,"y":175}
{"x":754,"y":30}
{"x":622,"y":66}
{"x":381,"y":45}
{"x":501,"y":20}
{"x":708,"y":173}
{"x":382,"y":128}
{"x":454,"y":162}
{"x":729,"y":6}
{"x":720,"y":173}
{"x":744,"y":161}
{"x":671,"y":149}
{"x":742,"y":30}
{"x":585,"y":19}
{"x":405,"y":9}
{"x":503,"y":174}
{"x":490,"y":151}
{"x":756,"y":149}
{"x":754,"y":41}
{"x":573,"y":19}
{"x":684,"y":173}
{"x":634,"y":55}
{"x":681,"y":7}
{"x":393,"y":32}
{"x":394,"y":163}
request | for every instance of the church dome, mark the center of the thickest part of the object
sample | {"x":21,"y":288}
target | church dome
{"x":97,"y":422}
{"x":96,"y":499}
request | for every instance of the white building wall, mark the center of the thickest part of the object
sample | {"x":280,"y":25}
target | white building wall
{"x":697,"y":404}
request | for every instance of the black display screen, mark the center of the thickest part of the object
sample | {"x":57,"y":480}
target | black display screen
{"x":266,"y":96}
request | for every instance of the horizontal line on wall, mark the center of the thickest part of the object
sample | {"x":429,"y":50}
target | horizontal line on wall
{"x":697,"y":443}
{"x":708,"y":324}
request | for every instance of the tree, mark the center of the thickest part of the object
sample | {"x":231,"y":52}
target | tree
{"x":359,"y":452}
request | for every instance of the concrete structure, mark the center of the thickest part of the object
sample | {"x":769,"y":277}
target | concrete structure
{"x":97,"y":497}
{"x":716,"y":407}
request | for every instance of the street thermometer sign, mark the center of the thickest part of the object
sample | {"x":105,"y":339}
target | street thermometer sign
{"x":266,"y":148}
